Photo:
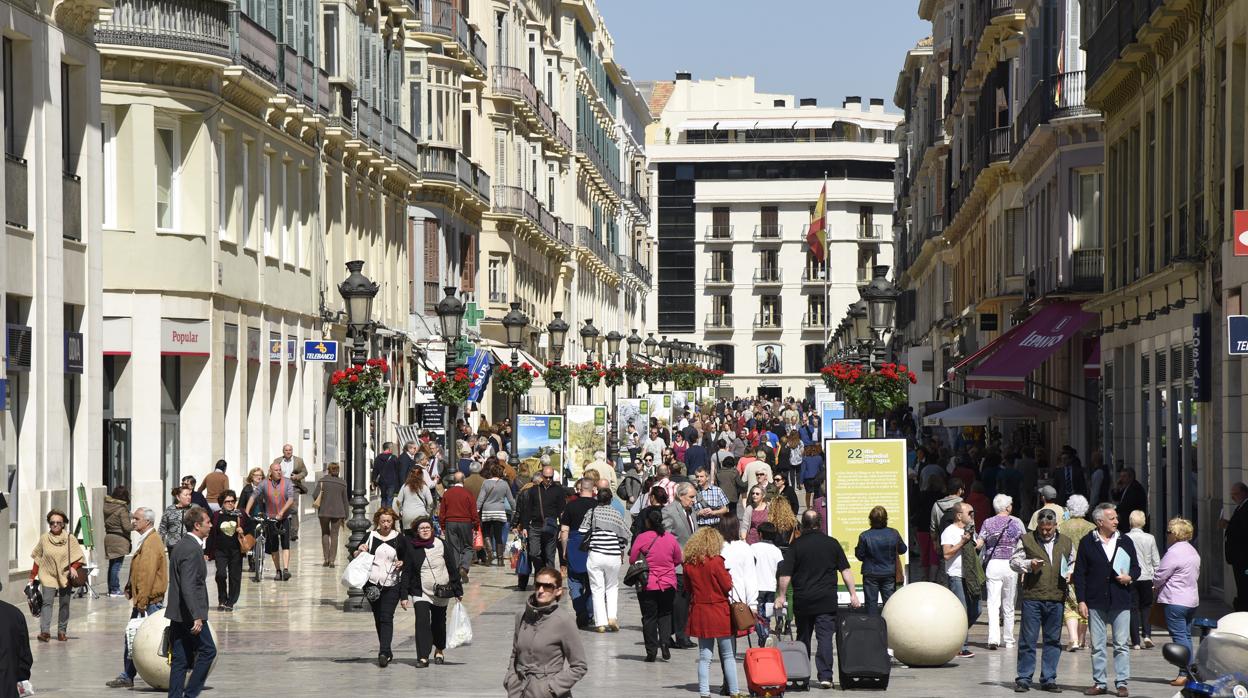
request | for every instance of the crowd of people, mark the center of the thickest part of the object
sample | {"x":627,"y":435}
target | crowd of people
{"x":721,"y":507}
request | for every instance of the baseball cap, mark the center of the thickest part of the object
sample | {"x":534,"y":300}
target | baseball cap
{"x":1047,"y":492}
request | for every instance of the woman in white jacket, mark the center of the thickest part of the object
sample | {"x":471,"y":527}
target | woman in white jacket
{"x":1150,"y":559}
{"x":739,"y":559}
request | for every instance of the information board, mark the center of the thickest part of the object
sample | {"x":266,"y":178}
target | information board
{"x":864,"y":473}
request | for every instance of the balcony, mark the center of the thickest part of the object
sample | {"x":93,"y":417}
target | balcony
{"x":767,"y":232}
{"x":870,"y":233}
{"x":1087,"y":270}
{"x":71,"y":214}
{"x":1118,"y":28}
{"x":640,"y":271}
{"x":814,"y":321}
{"x":498,"y":297}
{"x":640,"y":203}
{"x":16,"y":192}
{"x":587,"y":238}
{"x":719,"y":277}
{"x":514,"y":84}
{"x":718,"y":233}
{"x":814,"y":276}
{"x":441,"y":18}
{"x":1056,"y":97}
{"x":767,"y":276}
{"x":438,"y":164}
{"x":566,"y":234}
{"x":519,"y":203}
{"x":998,"y":144}
{"x":718,"y":321}
{"x":767,"y":321}
{"x":406,"y":149}
{"x":605,"y":175}
{"x":195,"y":26}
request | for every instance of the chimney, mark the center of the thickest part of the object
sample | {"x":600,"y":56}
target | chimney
{"x":683,"y":75}
{"x":777,"y":102}
{"x":853,"y":102}
{"x":877,"y":105}
{"x":808,"y":102}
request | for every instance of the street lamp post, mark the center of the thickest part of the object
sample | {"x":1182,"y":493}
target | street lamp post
{"x":357,"y":293}
{"x":665,"y":353}
{"x":589,"y":340}
{"x":651,"y":347}
{"x":634,"y":348}
{"x":613,"y":353}
{"x":450,"y":311}
{"x":514,"y":323}
{"x":861,"y":329}
{"x":558,"y":329}
{"x":881,"y":298}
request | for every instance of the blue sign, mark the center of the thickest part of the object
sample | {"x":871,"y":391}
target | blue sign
{"x":847,"y":429}
{"x":4,"y":395}
{"x":320,"y":350}
{"x":829,"y":412}
{"x":481,"y":365}
{"x":1202,"y":364}
{"x":1237,"y":334}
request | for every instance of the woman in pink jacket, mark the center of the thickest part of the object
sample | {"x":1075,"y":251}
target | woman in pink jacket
{"x":662,"y":553}
{"x":1176,"y":583}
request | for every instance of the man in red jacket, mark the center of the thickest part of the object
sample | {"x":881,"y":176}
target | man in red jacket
{"x":459,"y":517}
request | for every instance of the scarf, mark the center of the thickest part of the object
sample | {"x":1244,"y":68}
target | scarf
{"x":604,"y":517}
{"x":420,"y":543}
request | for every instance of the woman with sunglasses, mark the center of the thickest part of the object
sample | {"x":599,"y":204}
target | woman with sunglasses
{"x":224,"y":548}
{"x":433,"y":566}
{"x":755,"y":513}
{"x":547,"y":658}
{"x":780,"y":489}
{"x":58,"y":567}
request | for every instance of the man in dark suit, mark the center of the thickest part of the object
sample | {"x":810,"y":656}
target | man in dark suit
{"x":1069,"y":477}
{"x":1132,"y":496}
{"x":1103,"y":587}
{"x":15,"y":657}
{"x":678,"y":520}
{"x":190,"y":640}
{"x":1235,"y":524}
{"x":385,"y":474}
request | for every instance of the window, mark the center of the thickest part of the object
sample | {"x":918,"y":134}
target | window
{"x":496,"y":280}
{"x":814,"y":357}
{"x":68,"y":159}
{"x":286,"y":232}
{"x":108,"y":143}
{"x":769,"y":311}
{"x":245,"y":215}
{"x":267,"y":203}
{"x":330,"y":22}
{"x":814,"y":311}
{"x":1088,"y":212}
{"x":12,"y":144}
{"x":168,"y":168}
{"x":223,"y":215}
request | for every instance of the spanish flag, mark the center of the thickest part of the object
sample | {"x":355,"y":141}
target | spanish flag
{"x":815,"y":236}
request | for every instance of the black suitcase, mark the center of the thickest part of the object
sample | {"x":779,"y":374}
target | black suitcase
{"x":862,"y":650}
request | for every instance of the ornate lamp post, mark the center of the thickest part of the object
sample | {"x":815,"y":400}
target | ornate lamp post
{"x":634,"y":348}
{"x":558,"y":329}
{"x":514,"y":323}
{"x":881,"y":299}
{"x":665,"y":353}
{"x":357,"y":293}
{"x":589,"y":339}
{"x":651,"y":348}
{"x":861,"y":328}
{"x":613,"y":354}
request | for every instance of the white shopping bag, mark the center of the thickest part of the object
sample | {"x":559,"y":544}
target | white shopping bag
{"x":458,"y":627}
{"x":24,"y":688}
{"x":356,"y":574}
{"x":132,"y":629}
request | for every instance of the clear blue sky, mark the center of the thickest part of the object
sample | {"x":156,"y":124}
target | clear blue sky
{"x":807,"y":48}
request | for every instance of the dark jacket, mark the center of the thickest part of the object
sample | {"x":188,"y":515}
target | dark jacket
{"x":1237,"y":537}
{"x":218,"y":541}
{"x":1078,"y":482}
{"x":117,"y":528}
{"x":14,"y":649}
{"x":385,"y":472}
{"x":1133,"y":498}
{"x":538,"y":502}
{"x":696,"y":458}
{"x":416,"y":559}
{"x":1094,"y":577}
{"x":187,"y":598}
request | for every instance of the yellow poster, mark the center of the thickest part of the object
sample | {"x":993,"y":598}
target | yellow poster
{"x":863,"y":474}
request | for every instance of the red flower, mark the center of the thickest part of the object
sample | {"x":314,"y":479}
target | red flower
{"x":355,"y":379}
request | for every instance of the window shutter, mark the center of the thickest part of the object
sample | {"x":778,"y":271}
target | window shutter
{"x":500,"y":156}
{"x":469,"y":263}
{"x":431,"y":251}
{"x":19,"y":338}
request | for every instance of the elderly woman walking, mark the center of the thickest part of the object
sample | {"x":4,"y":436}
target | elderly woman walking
{"x":1075,"y":528}
{"x":547,"y":658}
{"x":1001,"y":533}
{"x":1176,"y":583}
{"x":58,"y":567}
{"x":1146,"y":553}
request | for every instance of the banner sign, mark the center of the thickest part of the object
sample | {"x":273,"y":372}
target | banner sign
{"x":682,"y":399}
{"x":320,"y":350}
{"x":1202,"y":366}
{"x":482,"y":366}
{"x":862,"y":474}
{"x":538,"y":436}
{"x":1237,"y":334}
{"x":73,"y":352}
{"x":635,"y":413}
{"x":586,"y":435}
{"x":184,"y":337}
{"x":660,"y":409}
{"x":829,"y":412}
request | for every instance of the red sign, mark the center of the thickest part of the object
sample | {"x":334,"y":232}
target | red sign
{"x":1241,"y":233}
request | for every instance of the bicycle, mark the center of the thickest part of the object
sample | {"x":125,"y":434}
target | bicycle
{"x":263,"y":523}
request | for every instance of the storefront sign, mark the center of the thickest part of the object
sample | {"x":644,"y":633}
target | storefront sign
{"x":1237,"y":334}
{"x":1202,"y":375}
{"x":320,"y":350}
{"x":539,"y":435}
{"x":586,"y":436}
{"x":862,"y":474}
{"x":276,"y":348}
{"x":1240,"y":238}
{"x":4,"y":395}
{"x":184,"y":337}
{"x":291,"y":343}
{"x":73,"y":352}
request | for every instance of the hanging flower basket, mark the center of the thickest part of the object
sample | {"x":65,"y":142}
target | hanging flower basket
{"x":558,"y":377}
{"x":636,"y":373}
{"x":514,"y":381}
{"x":687,"y":376}
{"x":613,"y":376}
{"x":872,"y":394}
{"x":452,"y":389}
{"x":359,"y":388}
{"x":589,"y":375}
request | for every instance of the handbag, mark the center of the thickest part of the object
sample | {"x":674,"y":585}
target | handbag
{"x":320,"y":497}
{"x":478,"y":540}
{"x":246,"y":542}
{"x":356,"y":574}
{"x":583,"y":546}
{"x":638,"y":573}
{"x":743,"y":618}
{"x":450,"y":590}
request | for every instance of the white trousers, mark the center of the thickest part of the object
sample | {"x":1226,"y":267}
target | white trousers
{"x":604,"y":586}
{"x":1002,"y":587}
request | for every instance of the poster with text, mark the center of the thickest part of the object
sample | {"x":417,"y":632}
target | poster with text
{"x":539,"y":435}
{"x":635,"y":413}
{"x":586,"y":435}
{"x":661,"y":408}
{"x":863,"y":474}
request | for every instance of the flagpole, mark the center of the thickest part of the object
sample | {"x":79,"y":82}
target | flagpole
{"x":827,"y":276}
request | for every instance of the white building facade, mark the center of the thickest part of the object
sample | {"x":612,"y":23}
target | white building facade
{"x":737,"y":174}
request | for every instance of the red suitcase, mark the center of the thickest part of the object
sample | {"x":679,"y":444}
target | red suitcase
{"x":764,"y":672}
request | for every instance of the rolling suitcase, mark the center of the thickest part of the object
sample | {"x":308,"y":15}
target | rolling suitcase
{"x":796,"y":658}
{"x":764,"y":672}
{"x":862,"y":659}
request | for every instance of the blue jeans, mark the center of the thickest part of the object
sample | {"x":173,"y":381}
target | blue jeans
{"x":883,"y":585}
{"x":1042,"y":618}
{"x":727,"y":661}
{"x":114,"y":575}
{"x":971,"y":606}
{"x":578,"y":589}
{"x":193,"y":653}
{"x":766,"y":608}
{"x":1098,"y":623}
{"x":127,"y":664}
{"x":1179,"y":623}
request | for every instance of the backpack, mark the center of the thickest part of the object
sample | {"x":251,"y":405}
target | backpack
{"x":947,"y":517}
{"x":795,"y":457}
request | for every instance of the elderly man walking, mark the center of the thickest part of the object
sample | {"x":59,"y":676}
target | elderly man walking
{"x":1105,"y":567}
{"x":1043,"y":557}
{"x":149,"y":575}
{"x":678,"y":519}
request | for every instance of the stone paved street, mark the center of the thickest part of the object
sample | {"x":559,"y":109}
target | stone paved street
{"x":292,"y":639}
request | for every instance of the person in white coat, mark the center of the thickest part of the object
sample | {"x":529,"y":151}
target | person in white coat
{"x":739,"y":560}
{"x":1150,"y":559}
{"x":1000,"y":534}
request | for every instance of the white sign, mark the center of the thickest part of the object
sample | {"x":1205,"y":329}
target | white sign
{"x":847,"y":428}
{"x":184,"y":337}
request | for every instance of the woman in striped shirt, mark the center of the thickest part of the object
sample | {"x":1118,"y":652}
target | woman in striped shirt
{"x":607,"y":533}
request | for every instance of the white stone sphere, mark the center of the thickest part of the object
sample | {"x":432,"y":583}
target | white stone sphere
{"x":152,"y":666}
{"x":1236,"y":623}
{"x":926,"y":624}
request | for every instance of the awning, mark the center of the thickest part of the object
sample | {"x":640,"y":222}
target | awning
{"x":697,"y":125}
{"x":814,"y":123}
{"x":503,"y":356}
{"x":1027,"y":346}
{"x":994,"y":408}
{"x":736,"y":124}
{"x":877,"y":124}
{"x":1092,"y":357}
{"x":784,"y":124}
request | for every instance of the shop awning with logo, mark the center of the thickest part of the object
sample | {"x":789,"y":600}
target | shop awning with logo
{"x":1015,"y":354}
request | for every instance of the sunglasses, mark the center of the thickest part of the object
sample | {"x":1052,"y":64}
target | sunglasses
{"x":545,"y":586}
{"x":777,"y":479}
{"x":56,"y":523}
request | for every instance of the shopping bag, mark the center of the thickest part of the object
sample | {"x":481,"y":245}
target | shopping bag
{"x":356,"y":573}
{"x":25,"y":688}
{"x":478,"y":540}
{"x":458,"y":627}
{"x":523,"y":568}
{"x":132,"y":629}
